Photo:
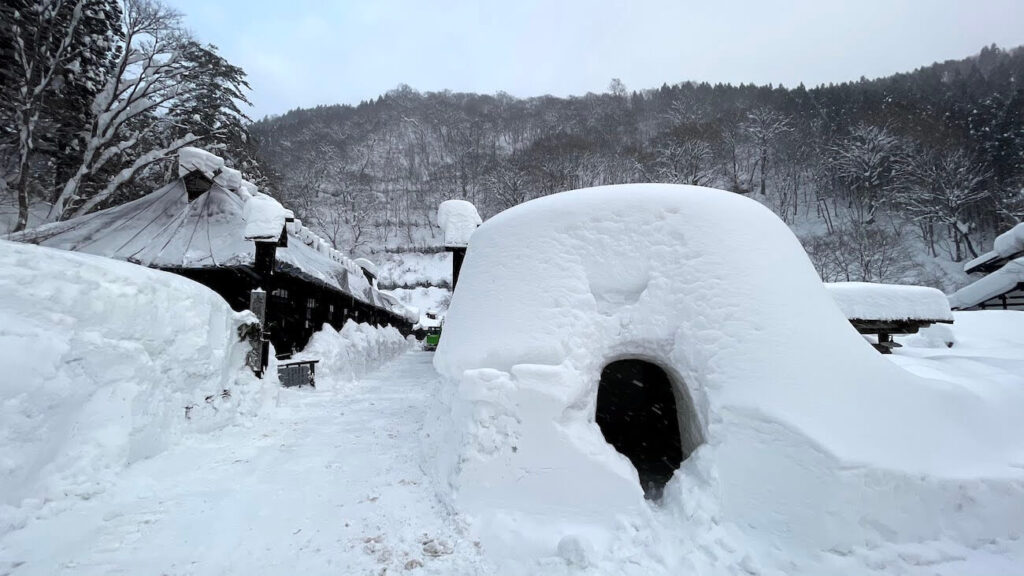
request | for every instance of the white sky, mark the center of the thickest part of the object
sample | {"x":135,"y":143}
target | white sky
{"x":300,"y":53}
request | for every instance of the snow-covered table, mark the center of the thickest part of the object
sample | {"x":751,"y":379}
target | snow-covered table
{"x":888,"y":309}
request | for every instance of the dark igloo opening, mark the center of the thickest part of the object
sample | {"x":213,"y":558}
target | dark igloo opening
{"x":647,"y":419}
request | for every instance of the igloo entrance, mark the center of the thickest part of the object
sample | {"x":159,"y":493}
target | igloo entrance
{"x":647,"y":419}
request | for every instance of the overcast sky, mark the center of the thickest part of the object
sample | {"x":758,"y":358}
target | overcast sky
{"x":300,"y":53}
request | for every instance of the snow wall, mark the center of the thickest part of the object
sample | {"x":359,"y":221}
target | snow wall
{"x":812,"y":440}
{"x":105,"y":363}
{"x":354,"y":351}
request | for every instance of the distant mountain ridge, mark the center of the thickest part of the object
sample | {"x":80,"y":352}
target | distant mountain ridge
{"x":931,"y":161}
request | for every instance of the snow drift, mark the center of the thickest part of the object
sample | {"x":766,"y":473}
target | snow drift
{"x":812,"y":441}
{"x":106,"y":363}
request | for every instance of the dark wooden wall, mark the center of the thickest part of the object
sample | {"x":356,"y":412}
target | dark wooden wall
{"x":296,"y":307}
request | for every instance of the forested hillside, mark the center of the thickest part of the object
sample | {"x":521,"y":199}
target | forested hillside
{"x":888,"y":179}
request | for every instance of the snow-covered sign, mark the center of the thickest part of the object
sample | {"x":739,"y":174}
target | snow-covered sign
{"x":869,"y":301}
{"x":264,"y":218}
{"x":458,"y":220}
{"x":1003,"y":281}
{"x":788,"y":411}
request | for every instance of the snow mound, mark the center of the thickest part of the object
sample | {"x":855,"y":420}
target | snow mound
{"x":106,"y":363}
{"x":458,"y":219}
{"x":350,"y":353}
{"x":809,"y":443}
{"x":868,"y":301}
{"x":264,"y":218}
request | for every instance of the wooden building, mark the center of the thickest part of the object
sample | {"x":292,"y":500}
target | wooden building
{"x":201,"y":226}
{"x":1001,"y":282}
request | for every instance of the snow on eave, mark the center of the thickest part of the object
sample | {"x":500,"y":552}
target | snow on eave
{"x":1004,"y":280}
{"x":1010,"y":243}
{"x":191,"y":159}
{"x":1007,"y":246}
{"x":982,"y":260}
{"x":366,"y":265}
{"x":869,"y":301}
{"x":264,"y":218}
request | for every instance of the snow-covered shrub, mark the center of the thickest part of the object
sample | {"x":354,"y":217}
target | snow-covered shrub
{"x":352,"y":352}
{"x":105,"y":363}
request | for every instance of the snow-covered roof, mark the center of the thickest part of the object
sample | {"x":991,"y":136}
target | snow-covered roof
{"x":392,"y":303}
{"x":1007,"y":245}
{"x":458,"y":219}
{"x":164,"y":230}
{"x":998,"y":283}
{"x":869,"y":301}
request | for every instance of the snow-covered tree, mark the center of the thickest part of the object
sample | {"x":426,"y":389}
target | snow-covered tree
{"x":944,"y":189}
{"x":55,"y":54}
{"x":157,"y":89}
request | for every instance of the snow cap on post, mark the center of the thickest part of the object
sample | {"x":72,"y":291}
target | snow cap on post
{"x":264,"y":218}
{"x":458,"y":220}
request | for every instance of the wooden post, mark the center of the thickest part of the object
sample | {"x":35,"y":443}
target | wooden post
{"x":458,"y":255}
{"x":258,"y":355}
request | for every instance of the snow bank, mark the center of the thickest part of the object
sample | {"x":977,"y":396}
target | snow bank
{"x":814,"y":445}
{"x":995,"y":284}
{"x":106,"y":363}
{"x":348,"y":354}
{"x":458,"y":219}
{"x":264,"y":218}
{"x":191,"y":159}
{"x":868,"y":301}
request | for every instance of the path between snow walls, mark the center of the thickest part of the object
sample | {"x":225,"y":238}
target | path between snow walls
{"x":330,"y":482}
{"x":813,"y":444}
{"x":103,"y":364}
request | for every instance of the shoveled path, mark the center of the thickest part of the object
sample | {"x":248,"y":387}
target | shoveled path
{"x":331,"y":483}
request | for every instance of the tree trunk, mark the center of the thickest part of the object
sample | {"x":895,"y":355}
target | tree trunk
{"x":22,"y":188}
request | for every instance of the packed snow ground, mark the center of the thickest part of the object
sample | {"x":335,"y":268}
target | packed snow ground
{"x":331,"y":483}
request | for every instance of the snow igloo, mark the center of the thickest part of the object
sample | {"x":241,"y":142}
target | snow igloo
{"x":616,"y":352}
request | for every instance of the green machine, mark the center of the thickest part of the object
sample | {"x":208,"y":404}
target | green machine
{"x":433,"y":337}
{"x":433,"y":326}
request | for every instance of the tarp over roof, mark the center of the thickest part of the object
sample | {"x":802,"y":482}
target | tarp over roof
{"x":164,"y":230}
